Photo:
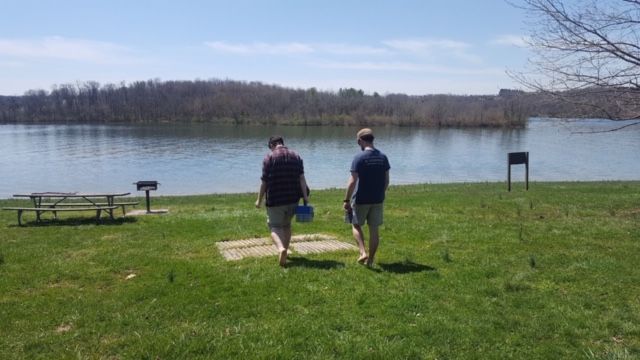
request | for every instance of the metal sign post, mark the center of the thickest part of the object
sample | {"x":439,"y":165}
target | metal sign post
{"x":517,"y":158}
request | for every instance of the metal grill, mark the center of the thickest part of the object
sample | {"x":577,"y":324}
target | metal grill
{"x":146,"y":186}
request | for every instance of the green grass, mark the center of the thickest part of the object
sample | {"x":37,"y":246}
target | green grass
{"x":463,"y":271}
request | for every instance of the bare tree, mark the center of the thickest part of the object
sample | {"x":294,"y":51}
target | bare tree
{"x":586,"y":52}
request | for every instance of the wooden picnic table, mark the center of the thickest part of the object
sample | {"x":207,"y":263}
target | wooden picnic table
{"x":59,"y":201}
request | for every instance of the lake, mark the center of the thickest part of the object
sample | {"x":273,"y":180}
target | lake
{"x":201,"y":158}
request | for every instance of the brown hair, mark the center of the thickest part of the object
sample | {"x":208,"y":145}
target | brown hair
{"x":276,"y":140}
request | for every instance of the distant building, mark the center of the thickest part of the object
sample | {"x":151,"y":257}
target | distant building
{"x":510,"y":92}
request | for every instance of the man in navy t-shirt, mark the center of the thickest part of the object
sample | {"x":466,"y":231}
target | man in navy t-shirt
{"x":365,"y":193}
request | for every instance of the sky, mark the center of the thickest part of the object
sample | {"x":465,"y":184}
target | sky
{"x":395,"y":46}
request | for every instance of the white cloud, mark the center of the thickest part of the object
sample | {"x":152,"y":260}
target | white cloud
{"x":11,"y":64}
{"x":367,"y":65}
{"x":407,"y":66}
{"x":389,"y":47}
{"x":293,"y":48}
{"x":348,"y":49}
{"x":425,"y":45}
{"x":436,"y":48}
{"x":261,"y":48}
{"x":440,"y":48}
{"x":510,"y":40}
{"x":56,"y":47}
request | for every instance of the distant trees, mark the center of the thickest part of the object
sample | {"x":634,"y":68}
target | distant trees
{"x":587,"y":53}
{"x":235,"y":102}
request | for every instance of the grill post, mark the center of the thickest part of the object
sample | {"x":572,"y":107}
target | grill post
{"x":148,"y":201}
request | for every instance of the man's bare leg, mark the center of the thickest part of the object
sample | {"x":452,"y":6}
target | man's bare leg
{"x":286,"y":240}
{"x":359,"y":236}
{"x":374,"y":238}
{"x":279,"y":237}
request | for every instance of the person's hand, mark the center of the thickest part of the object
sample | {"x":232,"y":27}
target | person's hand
{"x":346,"y":205}
{"x":258,"y":204}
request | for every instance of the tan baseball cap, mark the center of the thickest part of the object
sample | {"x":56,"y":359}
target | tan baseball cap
{"x":363,"y":132}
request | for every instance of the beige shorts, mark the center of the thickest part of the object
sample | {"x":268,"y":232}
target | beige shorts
{"x":369,"y":213}
{"x":280,"y":216}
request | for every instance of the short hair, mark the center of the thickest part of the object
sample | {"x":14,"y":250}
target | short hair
{"x":366,"y":134}
{"x":276,"y":140}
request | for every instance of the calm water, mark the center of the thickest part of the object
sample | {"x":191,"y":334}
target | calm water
{"x":194,"y":159}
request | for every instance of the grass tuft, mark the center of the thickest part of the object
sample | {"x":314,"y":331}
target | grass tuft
{"x":446,"y":256}
{"x":516,"y":284}
{"x":532,"y":261}
{"x":171,"y":276}
{"x":610,"y":354}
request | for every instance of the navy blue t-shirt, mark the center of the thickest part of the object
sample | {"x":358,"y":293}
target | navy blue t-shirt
{"x":371,"y":166}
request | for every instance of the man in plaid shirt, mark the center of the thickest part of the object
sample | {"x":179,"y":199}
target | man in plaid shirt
{"x":283,"y":183}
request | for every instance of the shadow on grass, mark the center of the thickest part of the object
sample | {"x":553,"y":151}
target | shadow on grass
{"x":76,"y":222}
{"x":317,"y":264}
{"x":405,"y":267}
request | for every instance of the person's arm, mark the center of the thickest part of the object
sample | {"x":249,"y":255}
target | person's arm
{"x":263,"y":190}
{"x":304,"y":188}
{"x":386,"y":180}
{"x":351,"y":186}
{"x":263,"y":186}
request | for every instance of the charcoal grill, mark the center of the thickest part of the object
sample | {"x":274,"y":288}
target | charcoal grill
{"x":146,"y":186}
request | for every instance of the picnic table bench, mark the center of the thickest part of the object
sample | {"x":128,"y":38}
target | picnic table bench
{"x":56,"y":202}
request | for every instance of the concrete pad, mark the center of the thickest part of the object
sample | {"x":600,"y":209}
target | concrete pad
{"x":254,"y":251}
{"x":316,"y":247}
{"x":224,"y":245}
{"x":301,"y":244}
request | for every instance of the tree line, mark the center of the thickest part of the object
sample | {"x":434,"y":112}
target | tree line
{"x":238,"y":102}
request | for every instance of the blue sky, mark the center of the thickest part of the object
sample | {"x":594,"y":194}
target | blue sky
{"x":402,"y":46}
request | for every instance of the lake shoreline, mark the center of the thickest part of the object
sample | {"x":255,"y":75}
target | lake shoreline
{"x":516,"y":186}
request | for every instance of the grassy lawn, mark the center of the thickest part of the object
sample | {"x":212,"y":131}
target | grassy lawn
{"x":463,"y":271}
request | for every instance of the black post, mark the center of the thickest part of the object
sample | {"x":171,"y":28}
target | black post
{"x":148,"y":202}
{"x":527,"y":172}
{"x":516,"y":158}
{"x":509,"y":176}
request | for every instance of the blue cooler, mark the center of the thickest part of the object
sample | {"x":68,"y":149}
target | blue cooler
{"x":304,"y":213}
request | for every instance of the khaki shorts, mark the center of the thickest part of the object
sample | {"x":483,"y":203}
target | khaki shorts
{"x":280,"y":216}
{"x":369,"y":213}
